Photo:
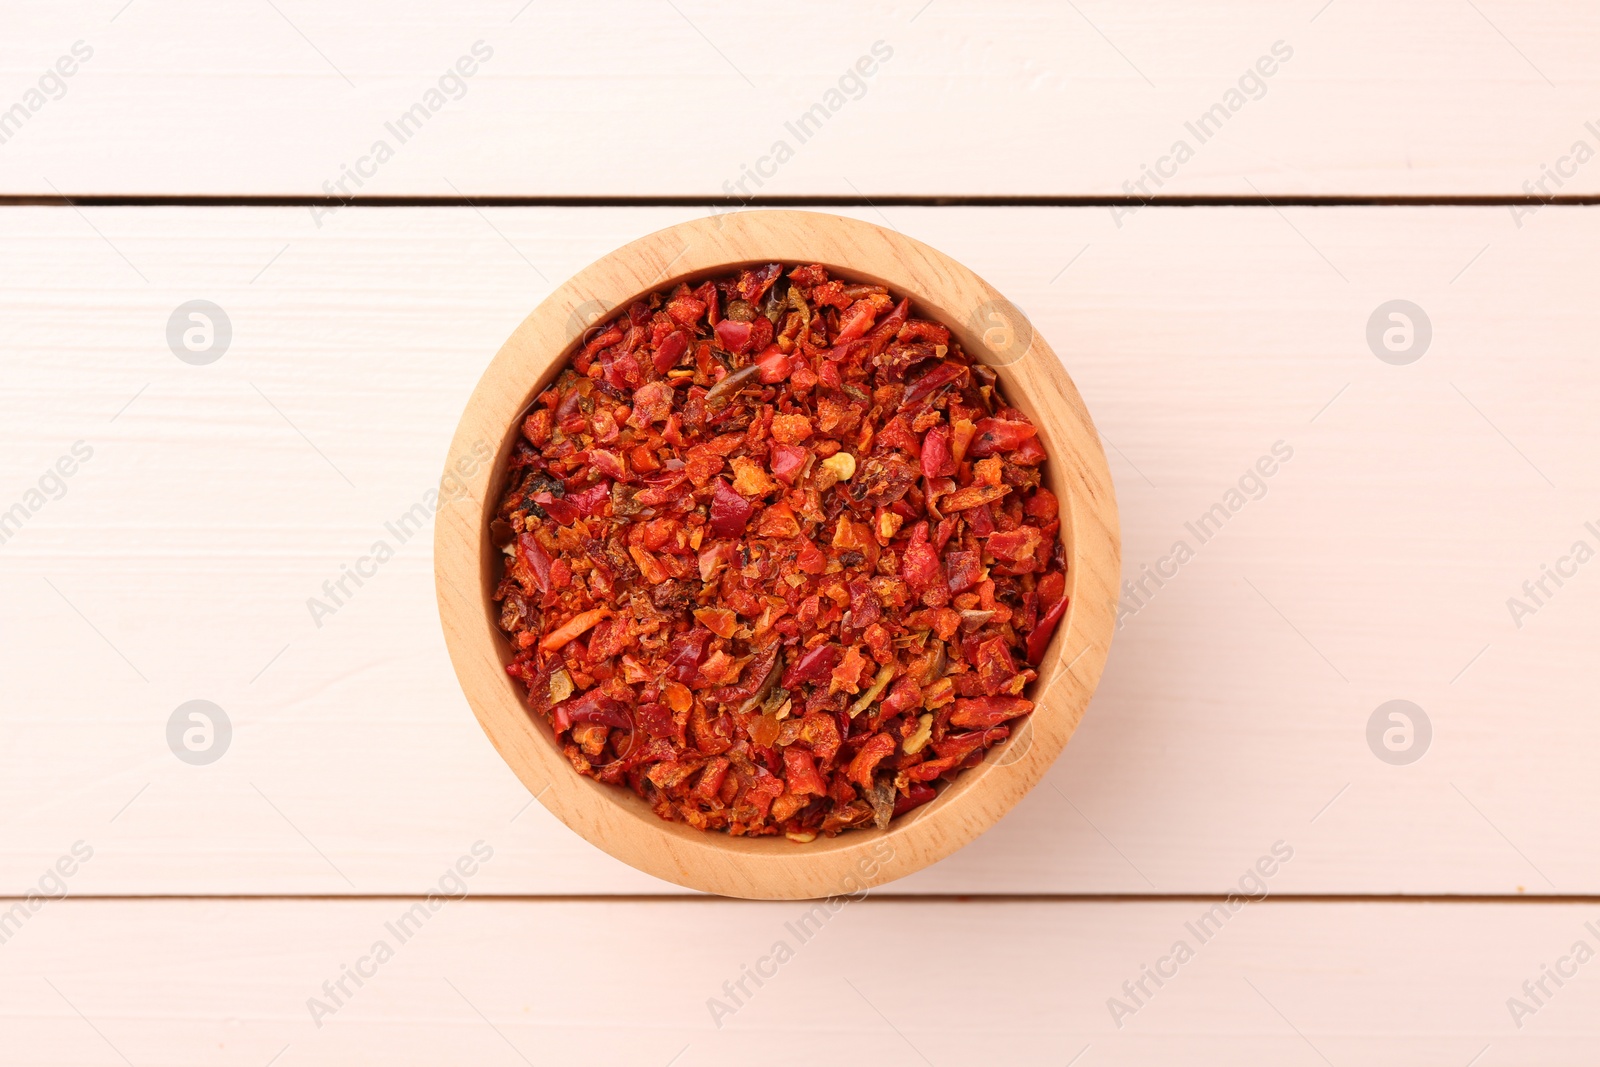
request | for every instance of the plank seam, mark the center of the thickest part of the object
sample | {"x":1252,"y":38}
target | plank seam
{"x":895,"y":898}
{"x":206,"y":200}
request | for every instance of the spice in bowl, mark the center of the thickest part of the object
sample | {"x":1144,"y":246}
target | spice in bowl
{"x":777,"y":555}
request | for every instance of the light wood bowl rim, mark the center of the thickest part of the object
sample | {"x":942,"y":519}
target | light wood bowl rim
{"x":615,"y":819}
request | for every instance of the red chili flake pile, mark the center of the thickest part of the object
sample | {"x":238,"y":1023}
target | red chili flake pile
{"x":777,"y":555}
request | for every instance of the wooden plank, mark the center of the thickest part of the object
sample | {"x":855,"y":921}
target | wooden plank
{"x":183,"y":982}
{"x":1361,"y":98}
{"x":179,"y":562}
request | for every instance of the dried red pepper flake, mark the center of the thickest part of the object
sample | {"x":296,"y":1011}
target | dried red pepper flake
{"x":780,"y":559}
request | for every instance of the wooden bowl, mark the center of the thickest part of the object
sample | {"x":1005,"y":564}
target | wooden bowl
{"x":466,"y":563}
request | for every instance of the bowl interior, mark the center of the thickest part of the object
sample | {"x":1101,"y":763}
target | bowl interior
{"x":1004,"y":317}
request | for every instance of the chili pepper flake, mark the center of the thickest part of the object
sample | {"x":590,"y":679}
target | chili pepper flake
{"x":780,"y":560}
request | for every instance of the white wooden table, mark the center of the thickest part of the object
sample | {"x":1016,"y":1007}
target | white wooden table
{"x":1339,"y":156}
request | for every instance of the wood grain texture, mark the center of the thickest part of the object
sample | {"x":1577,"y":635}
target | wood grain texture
{"x":206,"y":982}
{"x":1381,"y":556}
{"x":659,"y":99}
{"x":1378,"y":562}
{"x":467,"y":563}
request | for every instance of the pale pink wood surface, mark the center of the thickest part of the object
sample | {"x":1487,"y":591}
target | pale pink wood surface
{"x":959,"y":97}
{"x":1234,"y":711}
{"x":1389,"y":543}
{"x":187,"y":983}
